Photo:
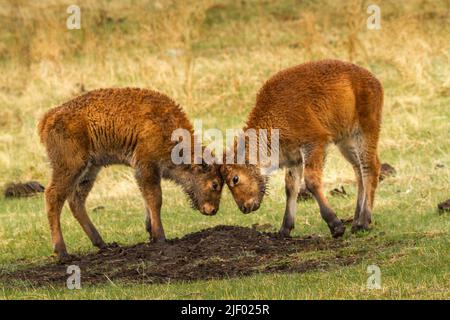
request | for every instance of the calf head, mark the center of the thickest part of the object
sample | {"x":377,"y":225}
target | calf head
{"x":204,"y":187}
{"x":247,"y":185}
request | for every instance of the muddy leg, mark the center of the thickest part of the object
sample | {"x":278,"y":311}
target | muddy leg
{"x":77,"y":203}
{"x":292,"y":180}
{"x":149,"y":181}
{"x":313,"y":179}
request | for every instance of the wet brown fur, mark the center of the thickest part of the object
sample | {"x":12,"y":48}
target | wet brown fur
{"x":126,"y":126}
{"x":315,"y":104}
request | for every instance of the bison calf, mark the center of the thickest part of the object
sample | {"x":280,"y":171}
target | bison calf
{"x":119,"y":126}
{"x":313,"y":105}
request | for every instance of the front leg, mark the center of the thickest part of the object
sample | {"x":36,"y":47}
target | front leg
{"x":292,"y":180}
{"x":149,"y":181}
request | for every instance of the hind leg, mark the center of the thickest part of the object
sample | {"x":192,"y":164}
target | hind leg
{"x":61,"y":186}
{"x":314,"y":161}
{"x":361,"y":151}
{"x":350,"y":150}
{"x":149,"y":182}
{"x":68,"y":158}
{"x":369,"y":108}
{"x":292,"y":186}
{"x":77,"y":203}
{"x":370,"y":168}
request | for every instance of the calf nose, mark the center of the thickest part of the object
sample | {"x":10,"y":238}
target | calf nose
{"x":250,"y":206}
{"x":255,"y":206}
{"x":209,"y":209}
{"x":243,"y":208}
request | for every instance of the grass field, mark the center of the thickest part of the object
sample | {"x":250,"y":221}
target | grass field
{"x":211,"y":57}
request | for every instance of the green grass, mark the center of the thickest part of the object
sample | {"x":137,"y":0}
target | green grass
{"x":414,"y":263}
{"x":227,"y":52}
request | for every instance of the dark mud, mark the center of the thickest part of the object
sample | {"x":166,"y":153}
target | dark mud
{"x":338,"y":192}
{"x":26,"y":189}
{"x":444,"y":206}
{"x":387,"y":171}
{"x":215,"y":253}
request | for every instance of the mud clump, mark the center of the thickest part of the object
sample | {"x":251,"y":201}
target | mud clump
{"x":26,"y":189}
{"x":304,"y":195}
{"x":261,"y":227}
{"x":215,"y":253}
{"x":338,"y":192}
{"x":387,"y":171}
{"x":444,"y":206}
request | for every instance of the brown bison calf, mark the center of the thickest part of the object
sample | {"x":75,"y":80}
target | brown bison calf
{"x":313,"y":105}
{"x":119,"y":126}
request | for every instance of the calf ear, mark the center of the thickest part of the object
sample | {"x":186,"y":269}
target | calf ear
{"x":201,"y":167}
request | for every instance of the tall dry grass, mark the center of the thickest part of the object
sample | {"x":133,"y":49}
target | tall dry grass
{"x":211,"y":56}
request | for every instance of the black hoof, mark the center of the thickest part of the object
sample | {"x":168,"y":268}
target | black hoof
{"x":158,"y":240}
{"x":337,"y":229}
{"x":285,"y":232}
{"x":64,"y":258}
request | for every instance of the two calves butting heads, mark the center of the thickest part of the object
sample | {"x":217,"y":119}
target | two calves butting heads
{"x":298,"y":113}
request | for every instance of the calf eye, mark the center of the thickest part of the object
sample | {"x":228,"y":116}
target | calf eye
{"x":235,"y":180}
{"x":215,"y":186}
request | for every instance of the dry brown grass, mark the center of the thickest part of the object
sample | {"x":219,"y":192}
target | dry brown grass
{"x":211,"y":56}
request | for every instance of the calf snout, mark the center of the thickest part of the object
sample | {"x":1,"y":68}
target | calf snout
{"x":249,"y":206}
{"x":209,"y":210}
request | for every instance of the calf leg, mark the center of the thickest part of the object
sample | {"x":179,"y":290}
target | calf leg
{"x":350,"y":150}
{"x":149,"y":181}
{"x":368,"y":144}
{"x":370,"y":168}
{"x":292,"y":186}
{"x":314,"y":161}
{"x":56,"y":193}
{"x":77,"y":204}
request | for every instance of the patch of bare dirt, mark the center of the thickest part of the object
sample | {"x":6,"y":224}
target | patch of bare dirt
{"x":215,"y":253}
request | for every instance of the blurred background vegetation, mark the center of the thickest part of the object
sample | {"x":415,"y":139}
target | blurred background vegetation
{"x":210,"y":56}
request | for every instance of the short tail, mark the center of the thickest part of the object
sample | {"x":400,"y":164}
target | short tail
{"x":43,"y":125}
